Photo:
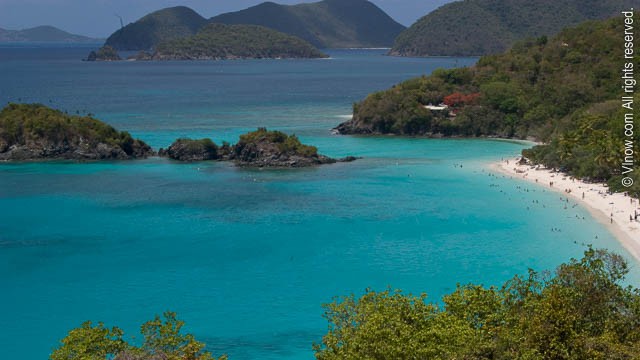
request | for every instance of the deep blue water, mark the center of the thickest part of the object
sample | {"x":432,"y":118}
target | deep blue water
{"x":247,"y":257}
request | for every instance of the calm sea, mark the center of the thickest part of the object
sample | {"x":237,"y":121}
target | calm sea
{"x":247,"y":257}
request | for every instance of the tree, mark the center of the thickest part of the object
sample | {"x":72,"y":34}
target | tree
{"x":90,"y":343}
{"x":582,"y":312}
{"x":163,"y":340}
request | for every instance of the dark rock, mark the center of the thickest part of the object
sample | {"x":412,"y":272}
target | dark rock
{"x":264,"y":148}
{"x":35,"y":132}
{"x":191,"y":150}
{"x":261,"y":148}
{"x":105,"y":53}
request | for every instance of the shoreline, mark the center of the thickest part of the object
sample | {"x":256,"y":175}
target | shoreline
{"x":611,"y":210}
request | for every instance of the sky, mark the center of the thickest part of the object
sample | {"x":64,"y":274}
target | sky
{"x":97,"y":18}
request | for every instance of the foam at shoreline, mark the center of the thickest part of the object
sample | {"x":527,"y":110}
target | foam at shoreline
{"x":612,"y":210}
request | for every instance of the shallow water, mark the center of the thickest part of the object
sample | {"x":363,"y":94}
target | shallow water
{"x":247,"y":257}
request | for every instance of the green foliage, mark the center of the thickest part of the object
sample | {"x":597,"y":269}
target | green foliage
{"x":219,"y":41}
{"x":482,"y":27}
{"x":201,"y":146}
{"x":105,"y":53}
{"x":163,"y":339}
{"x":560,"y":91}
{"x":90,"y":343}
{"x":582,"y":312}
{"x":22,"y":124}
{"x":591,"y":144}
{"x":287,"y":144}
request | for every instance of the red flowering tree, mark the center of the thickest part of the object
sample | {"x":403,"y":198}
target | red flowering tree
{"x":459,"y":99}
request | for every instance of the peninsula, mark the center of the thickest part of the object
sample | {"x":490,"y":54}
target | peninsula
{"x":562,"y":92}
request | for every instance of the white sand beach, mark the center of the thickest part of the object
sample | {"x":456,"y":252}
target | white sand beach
{"x":612,"y":210}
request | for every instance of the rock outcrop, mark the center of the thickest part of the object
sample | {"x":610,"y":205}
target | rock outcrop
{"x":36,"y":132}
{"x":260,"y":148}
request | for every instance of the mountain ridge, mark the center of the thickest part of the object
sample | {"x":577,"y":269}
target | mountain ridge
{"x":484,"y":27}
{"x":43,"y":33}
{"x":324,"y":24}
{"x":158,"y":26}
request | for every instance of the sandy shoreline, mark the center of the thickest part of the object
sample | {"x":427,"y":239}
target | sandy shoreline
{"x":612,"y":210}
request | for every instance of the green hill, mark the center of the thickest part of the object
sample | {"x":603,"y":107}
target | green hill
{"x":162,"y":25}
{"x":220,"y":41}
{"x":43,"y":34}
{"x":481,"y":27}
{"x":564,"y":91}
{"x":325,"y":24}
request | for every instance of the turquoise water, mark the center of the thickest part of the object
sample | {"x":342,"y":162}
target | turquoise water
{"x":247,"y":257}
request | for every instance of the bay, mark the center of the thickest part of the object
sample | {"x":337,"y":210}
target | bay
{"x":247,"y":257}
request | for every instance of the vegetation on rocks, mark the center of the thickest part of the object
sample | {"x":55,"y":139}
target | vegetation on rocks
{"x":581,"y":312}
{"x":105,"y":53}
{"x":260,"y":148}
{"x":35,"y":132}
{"x":191,"y":150}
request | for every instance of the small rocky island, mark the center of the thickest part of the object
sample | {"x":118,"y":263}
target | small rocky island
{"x":36,"y":132}
{"x":105,"y":53}
{"x":261,"y":148}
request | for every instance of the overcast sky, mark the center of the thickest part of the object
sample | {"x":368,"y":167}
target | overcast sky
{"x":97,"y":18}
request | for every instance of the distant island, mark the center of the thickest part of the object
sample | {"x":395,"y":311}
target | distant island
{"x":43,"y":34}
{"x":325,"y":24}
{"x":260,"y":148}
{"x":36,"y":132}
{"x":222,"y":42}
{"x":483,"y":27}
{"x":219,"y":41}
{"x":562,"y":91}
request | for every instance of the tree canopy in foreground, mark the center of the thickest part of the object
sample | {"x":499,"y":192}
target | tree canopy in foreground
{"x":581,"y":311}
